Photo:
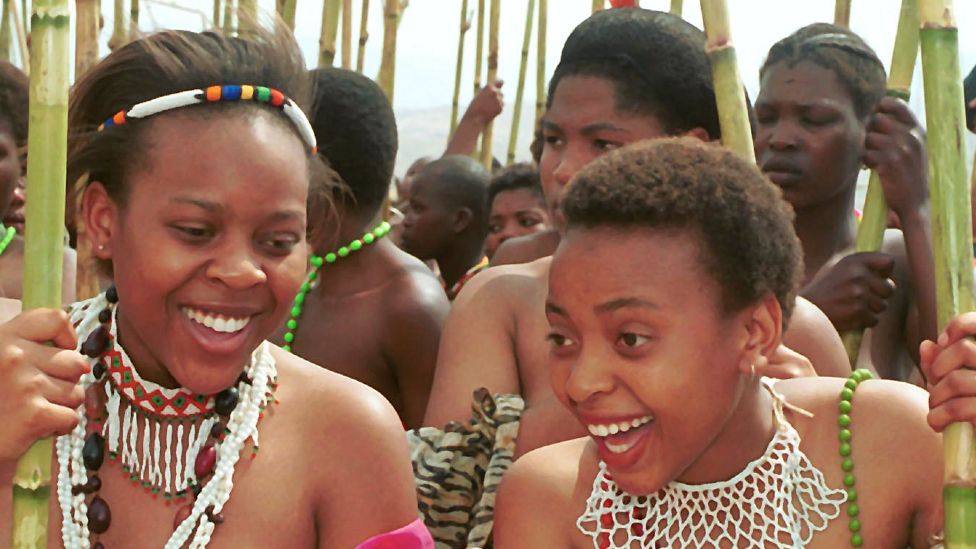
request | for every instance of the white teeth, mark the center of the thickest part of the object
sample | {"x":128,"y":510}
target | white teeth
{"x":614,"y":428}
{"x":619,"y":448}
{"x":217,"y":323}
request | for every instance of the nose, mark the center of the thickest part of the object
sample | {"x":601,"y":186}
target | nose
{"x":590,"y":377}
{"x":781,"y":136}
{"x":570,"y":162}
{"x":236,"y":267}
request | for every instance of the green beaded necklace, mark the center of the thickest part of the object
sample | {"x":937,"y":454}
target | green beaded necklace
{"x":317,"y":261}
{"x":844,"y":421}
{"x":8,"y":236}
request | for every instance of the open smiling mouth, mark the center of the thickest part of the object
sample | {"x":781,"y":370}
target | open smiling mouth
{"x":216,"y":322}
{"x":620,"y":437}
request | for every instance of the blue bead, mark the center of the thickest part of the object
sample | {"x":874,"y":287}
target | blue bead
{"x":230,"y":93}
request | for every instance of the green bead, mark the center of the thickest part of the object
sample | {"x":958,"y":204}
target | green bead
{"x":343,"y":251}
{"x":385,"y":226}
{"x":316,"y":261}
{"x":854,"y":525}
{"x":296,"y":312}
{"x":312,"y":276}
{"x":300,"y":298}
{"x":292,"y":324}
{"x":369,"y":238}
{"x":356,"y":245}
{"x":851,"y":495}
{"x":849,"y":384}
{"x":846,"y":394}
{"x":286,"y":348}
{"x":305,"y":288}
{"x":289,"y":337}
{"x":847,"y":465}
{"x":845,"y":449}
{"x":262,"y":93}
{"x":845,"y":406}
{"x":849,"y":480}
{"x":844,"y":420}
{"x":857,"y":540}
{"x":845,"y":435}
{"x":331,"y":257}
{"x":863,"y":374}
{"x":853,"y":510}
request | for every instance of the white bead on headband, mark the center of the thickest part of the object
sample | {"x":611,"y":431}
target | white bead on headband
{"x":215,"y":94}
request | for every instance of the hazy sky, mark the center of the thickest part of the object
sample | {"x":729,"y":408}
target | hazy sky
{"x":428,"y":35}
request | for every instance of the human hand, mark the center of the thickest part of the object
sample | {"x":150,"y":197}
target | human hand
{"x":895,"y":149}
{"x":853,"y":292}
{"x":785,"y":363}
{"x":39,"y":389}
{"x":950,"y":370}
{"x":487,"y":103}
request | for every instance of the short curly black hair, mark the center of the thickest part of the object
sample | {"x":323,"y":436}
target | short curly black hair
{"x":14,"y":99}
{"x":522,"y":175}
{"x":357,"y":135}
{"x":745,"y":226}
{"x":840,"y":51}
{"x":656,"y":60}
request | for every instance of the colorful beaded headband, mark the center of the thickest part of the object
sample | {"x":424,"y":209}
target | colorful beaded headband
{"x":215,"y":94}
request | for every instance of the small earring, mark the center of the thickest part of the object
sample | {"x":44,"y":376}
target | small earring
{"x":101,"y":247}
{"x":752,"y":369}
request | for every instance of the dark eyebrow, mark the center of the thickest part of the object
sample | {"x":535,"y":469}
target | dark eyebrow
{"x":622,"y":303}
{"x":287,"y":215}
{"x":552,"y":308}
{"x":551,"y":126}
{"x":602,"y":127}
{"x":212,"y":207}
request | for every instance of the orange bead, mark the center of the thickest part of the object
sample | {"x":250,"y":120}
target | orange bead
{"x":213,"y":93}
{"x":277,"y":98}
{"x":119,"y":118}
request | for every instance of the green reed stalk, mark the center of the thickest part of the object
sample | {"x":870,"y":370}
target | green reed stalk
{"x":729,"y":92}
{"x":363,"y":37}
{"x":463,"y":27}
{"x":870,"y":232}
{"x":330,"y":28}
{"x":487,"y":135}
{"x":391,"y":22}
{"x":44,"y":242}
{"x":677,"y":7}
{"x":842,"y":13}
{"x":540,"y":61}
{"x":347,"y":34}
{"x":520,"y":90}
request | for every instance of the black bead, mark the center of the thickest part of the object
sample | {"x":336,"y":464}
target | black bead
{"x":105,"y":316}
{"x":98,"y":545}
{"x":93,"y":453}
{"x":99,"y":516}
{"x":217,"y":430}
{"x":96,"y":344}
{"x":98,"y":370}
{"x":226,"y":401}
{"x":112,"y":295}
{"x":93,"y":485}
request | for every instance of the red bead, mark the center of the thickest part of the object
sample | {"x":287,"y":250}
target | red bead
{"x":95,"y":402}
{"x":206,"y":460}
{"x":606,"y":520}
{"x":603,"y":540}
{"x":277,"y":98}
{"x":181,"y":514}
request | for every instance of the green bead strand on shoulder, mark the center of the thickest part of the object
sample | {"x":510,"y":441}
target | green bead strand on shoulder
{"x":845,"y":407}
{"x":8,"y":236}
{"x":317,"y":261}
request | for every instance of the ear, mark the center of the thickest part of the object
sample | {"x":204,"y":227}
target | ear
{"x":763,"y":333}
{"x":462,"y":219}
{"x":698,"y":133}
{"x":100,"y":215}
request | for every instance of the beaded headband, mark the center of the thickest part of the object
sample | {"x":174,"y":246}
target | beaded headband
{"x":215,"y":94}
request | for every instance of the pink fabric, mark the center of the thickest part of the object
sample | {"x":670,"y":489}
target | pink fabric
{"x":411,"y":536}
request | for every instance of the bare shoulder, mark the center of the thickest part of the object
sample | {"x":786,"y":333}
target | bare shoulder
{"x":506,"y":281}
{"x":552,"y":478}
{"x":812,"y":335}
{"x":339,"y":408}
{"x":414,"y":289}
{"x":525,"y":249}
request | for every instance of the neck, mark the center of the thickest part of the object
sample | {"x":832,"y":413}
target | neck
{"x":148,"y":366}
{"x":465,"y":253}
{"x":744,"y":438}
{"x":825,"y":230}
{"x":348,"y":274}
